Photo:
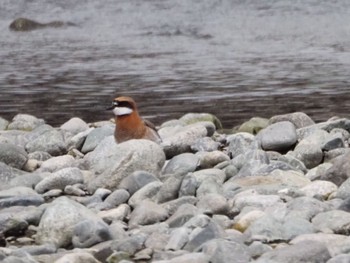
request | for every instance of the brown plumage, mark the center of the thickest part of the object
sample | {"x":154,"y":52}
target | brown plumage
{"x":129,"y":124}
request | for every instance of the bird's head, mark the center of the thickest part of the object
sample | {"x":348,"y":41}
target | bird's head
{"x":122,"y":106}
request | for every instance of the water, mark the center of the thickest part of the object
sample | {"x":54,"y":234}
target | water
{"x":234,"y":58}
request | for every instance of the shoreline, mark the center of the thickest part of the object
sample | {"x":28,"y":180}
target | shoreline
{"x":273,"y":190}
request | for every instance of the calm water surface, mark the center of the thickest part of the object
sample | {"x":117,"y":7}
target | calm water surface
{"x":234,"y":58}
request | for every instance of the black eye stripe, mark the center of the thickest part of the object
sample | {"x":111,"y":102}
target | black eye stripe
{"x":123,"y":104}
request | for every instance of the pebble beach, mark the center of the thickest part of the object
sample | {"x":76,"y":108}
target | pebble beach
{"x":269,"y":190}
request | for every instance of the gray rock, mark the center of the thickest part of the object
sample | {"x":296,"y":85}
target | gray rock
{"x":135,"y":181}
{"x":60,"y":179}
{"x":254,"y":125}
{"x":89,"y":232}
{"x":13,"y":155}
{"x":8,"y":173}
{"x":198,"y":238}
{"x":116,"y":198}
{"x":57,"y":223}
{"x":210,"y":159}
{"x":173,"y":205}
{"x":182,"y":141}
{"x":178,"y":238}
{"x":257,"y":248}
{"x":182,"y":215}
{"x":342,"y":258}
{"x":40,"y":156}
{"x":57,"y":163}
{"x":226,"y":251}
{"x":22,"y":200}
{"x":280,"y":136}
{"x":306,"y":207}
{"x":77,"y":257}
{"x":208,"y":186}
{"x":319,"y":189}
{"x":310,"y":154}
{"x":157,"y":241}
{"x":213,"y":173}
{"x":37,"y":249}
{"x":205,"y":144}
{"x":112,"y":163}
{"x":121,"y":213}
{"x":188,"y":186}
{"x":3,"y":124}
{"x":259,"y":201}
{"x":182,"y":164}
{"x":74,"y":190}
{"x":23,"y":258}
{"x":146,"y":213}
{"x":315,"y":173}
{"x":96,"y":136}
{"x":310,"y":252}
{"x":335,"y":220}
{"x":77,"y":141}
{"x":339,"y":172}
{"x":51,"y":141}
{"x":299,"y":119}
{"x":75,"y":125}
{"x":188,"y":258}
{"x":254,"y":161}
{"x":333,"y":142}
{"x":240,"y":143}
{"x":131,"y":244}
{"x":213,"y":204}
{"x":149,"y":191}
{"x":25,"y":122}
{"x":170,"y":189}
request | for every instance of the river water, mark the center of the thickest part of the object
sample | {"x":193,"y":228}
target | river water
{"x":233,"y":58}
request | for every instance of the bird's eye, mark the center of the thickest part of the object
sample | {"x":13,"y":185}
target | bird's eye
{"x":115,"y":103}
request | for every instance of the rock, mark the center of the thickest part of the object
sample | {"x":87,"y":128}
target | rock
{"x":192,"y":118}
{"x":135,"y":181}
{"x":280,"y":136}
{"x":57,"y":163}
{"x":13,"y":155}
{"x":22,"y":200}
{"x":3,"y":124}
{"x":51,"y":141}
{"x":157,"y":241}
{"x":310,"y":154}
{"x":178,"y":238}
{"x":40,"y":156}
{"x":182,"y":141}
{"x":24,"y":24}
{"x":299,"y":119}
{"x":221,"y":250}
{"x":256,"y":249}
{"x":149,"y":191}
{"x":60,"y":179}
{"x":306,"y":207}
{"x":198,"y":238}
{"x":57,"y":223}
{"x":208,"y":186}
{"x":259,"y":201}
{"x":240,"y":143}
{"x":188,"y":258}
{"x":76,"y":142}
{"x":182,"y":215}
{"x":339,"y":172}
{"x":335,"y":220}
{"x":182,"y":164}
{"x":95,"y":137}
{"x":315,"y":173}
{"x":244,"y":221}
{"x":117,"y":198}
{"x":120,"y":213}
{"x":7,"y":173}
{"x":310,"y":252}
{"x":215,"y":174}
{"x":89,"y":232}
{"x":170,"y":189}
{"x":25,"y":122}
{"x":342,"y":258}
{"x":77,"y":257}
{"x":210,"y":159}
{"x":75,"y":125}
{"x":112,"y":163}
{"x":74,"y":190}
{"x":146,"y":213}
{"x":131,"y":244}
{"x":31,"y":165}
{"x":188,"y":186}
{"x":335,"y":141}
{"x":319,"y":189}
{"x":254,"y":125}
{"x":205,"y":144}
{"x":173,"y":205}
{"x":213,"y":204}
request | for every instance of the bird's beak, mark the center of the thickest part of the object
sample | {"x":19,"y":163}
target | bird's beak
{"x":114,"y":104}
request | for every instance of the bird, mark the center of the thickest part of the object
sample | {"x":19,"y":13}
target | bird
{"x":129,"y":124}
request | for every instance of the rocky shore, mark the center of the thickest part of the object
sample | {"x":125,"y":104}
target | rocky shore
{"x":274,"y":190}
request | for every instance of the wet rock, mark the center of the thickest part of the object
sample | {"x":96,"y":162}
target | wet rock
{"x":210,"y":159}
{"x":311,"y":252}
{"x":112,"y":163}
{"x":135,"y":181}
{"x":22,"y":200}
{"x":25,"y":122}
{"x":89,"y":232}
{"x":221,"y":250}
{"x":57,"y":163}
{"x":13,"y":155}
{"x":333,"y":142}
{"x":95,"y":137}
{"x":57,"y":223}
{"x":146,"y":213}
{"x":182,"y":164}
{"x":51,"y":141}
{"x":60,"y":179}
{"x":280,"y":136}
{"x":75,"y":125}
{"x":299,"y":119}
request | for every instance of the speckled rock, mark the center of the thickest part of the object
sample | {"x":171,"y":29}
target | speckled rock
{"x":210,"y":159}
{"x":75,"y":125}
{"x":299,"y":119}
{"x":95,"y":137}
{"x":146,"y":213}
{"x":13,"y":155}
{"x":57,"y":163}
{"x":25,"y":122}
{"x":136,"y":181}
{"x":182,"y":164}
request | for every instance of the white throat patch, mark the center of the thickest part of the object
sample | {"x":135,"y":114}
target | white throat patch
{"x":120,"y":111}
